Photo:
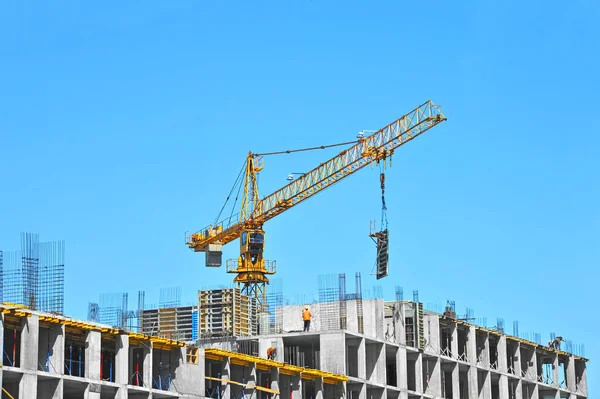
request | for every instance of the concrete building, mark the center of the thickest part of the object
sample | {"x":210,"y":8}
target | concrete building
{"x":356,"y":349}
{"x":46,"y":356}
{"x":392,"y":350}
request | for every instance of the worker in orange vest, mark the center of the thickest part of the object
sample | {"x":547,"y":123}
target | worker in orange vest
{"x":271,"y":353}
{"x":306,"y":315}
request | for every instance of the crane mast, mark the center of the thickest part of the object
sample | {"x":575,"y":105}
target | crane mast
{"x":250,"y":268}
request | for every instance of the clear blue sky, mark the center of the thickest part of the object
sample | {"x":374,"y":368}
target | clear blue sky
{"x":124,"y":125}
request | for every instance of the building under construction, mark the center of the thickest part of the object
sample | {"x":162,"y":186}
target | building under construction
{"x":357,"y":348}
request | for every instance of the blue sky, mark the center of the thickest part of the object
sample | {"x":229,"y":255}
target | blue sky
{"x":122,"y":126}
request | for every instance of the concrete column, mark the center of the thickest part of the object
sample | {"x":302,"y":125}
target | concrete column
{"x":402,"y":367}
{"x":472,"y":345}
{"x":583,"y":377}
{"x":29,"y":344}
{"x":455,"y":380}
{"x":454,"y":342}
{"x":419,"y":374}
{"x":517,"y":359}
{"x":318,"y":388}
{"x":473,"y":382}
{"x":533,"y":369}
{"x":93,"y":389}
{"x":28,"y":384}
{"x":555,"y":376}
{"x":381,"y":369}
{"x":122,"y":359}
{"x":332,"y":353}
{"x":92,"y":356}
{"x":296,"y":386}
{"x":363,"y":392}
{"x":502,"y":355}
{"x":517,"y":366}
{"x":472,"y":357}
{"x":536,"y":392}
{"x":519,"y":390}
{"x":435,"y":377}
{"x":362,"y":360}
{"x":503,"y":366}
{"x":432,"y":334}
{"x":226,"y":375}
{"x":399,"y":324}
{"x":147,"y":377}
{"x":252,"y":380}
{"x":503,"y":385}
{"x":486,"y":350}
{"x":571,"y":374}
{"x":487,"y":386}
{"x":57,"y":357}
{"x":275,"y":382}
{"x":189,"y":377}
{"x":122,"y":393}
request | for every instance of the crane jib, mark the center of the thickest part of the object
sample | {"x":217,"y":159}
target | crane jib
{"x":373,"y":148}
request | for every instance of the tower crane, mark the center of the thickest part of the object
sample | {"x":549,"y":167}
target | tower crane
{"x":251,"y":269}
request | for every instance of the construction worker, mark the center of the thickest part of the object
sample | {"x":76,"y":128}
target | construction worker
{"x":271,"y":353}
{"x":556,"y":342}
{"x":306,"y":315}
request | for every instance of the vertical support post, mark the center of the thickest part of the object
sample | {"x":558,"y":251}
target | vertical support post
{"x":456,"y":379}
{"x":318,"y":388}
{"x":147,"y":377}
{"x":401,"y":367}
{"x":571,"y":385}
{"x":29,"y":342}
{"x":122,"y":359}
{"x":28,"y":386}
{"x":419,"y":387}
{"x":454,"y":342}
{"x":362,"y":359}
{"x":517,"y":366}
{"x":503,"y":366}
{"x":226,"y":375}
{"x":472,"y":356}
{"x":275,"y":381}
{"x":92,"y":355}
{"x":555,"y":370}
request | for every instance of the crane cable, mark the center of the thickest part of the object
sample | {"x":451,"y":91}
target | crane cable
{"x":322,"y":147}
{"x":231,"y":192}
{"x":384,"y":221}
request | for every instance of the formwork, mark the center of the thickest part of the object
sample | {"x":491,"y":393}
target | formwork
{"x":172,"y":323}
{"x":226,"y":312}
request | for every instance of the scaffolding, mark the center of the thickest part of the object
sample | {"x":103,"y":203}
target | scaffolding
{"x":274,"y":306}
{"x":34,"y":275}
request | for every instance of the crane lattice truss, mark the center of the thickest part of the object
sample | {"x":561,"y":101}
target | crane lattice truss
{"x":376,"y":147}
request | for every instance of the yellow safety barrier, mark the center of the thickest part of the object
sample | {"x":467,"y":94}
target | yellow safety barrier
{"x":284,"y":368}
{"x":257,"y":387}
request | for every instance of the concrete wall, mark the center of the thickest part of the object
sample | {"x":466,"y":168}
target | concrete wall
{"x":326,"y":317}
{"x":333,"y":352}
